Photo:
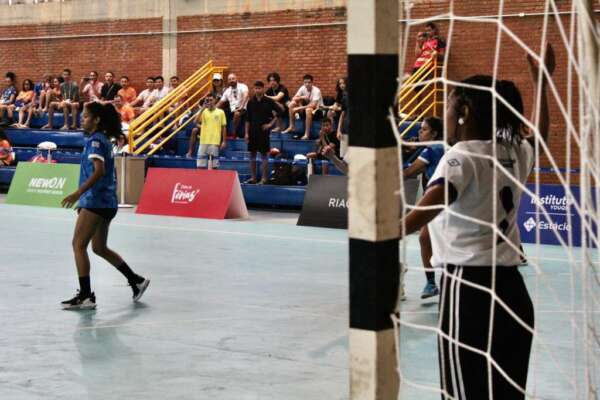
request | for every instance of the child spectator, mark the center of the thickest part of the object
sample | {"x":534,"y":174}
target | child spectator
{"x":127,"y":92}
{"x":237,"y":95}
{"x":92,"y":88}
{"x":8,"y":94}
{"x":40,"y":89}
{"x":25,"y":103}
{"x":142,"y":102}
{"x":69,"y":101}
{"x":261,"y":118}
{"x":307,"y":100}
{"x":7,"y":156}
{"x":280,"y":94}
{"x":213,"y":133}
{"x":327,"y":137}
{"x":110,"y":88}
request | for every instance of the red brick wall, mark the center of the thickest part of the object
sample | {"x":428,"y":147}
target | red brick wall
{"x":136,"y":56}
{"x":472,"y":52}
{"x":293,"y":52}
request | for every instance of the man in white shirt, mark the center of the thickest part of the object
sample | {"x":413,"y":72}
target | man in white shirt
{"x":142,"y":102}
{"x":307,"y":100}
{"x":237,"y":97}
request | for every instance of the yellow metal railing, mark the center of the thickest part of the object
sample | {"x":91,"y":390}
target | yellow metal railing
{"x":418,"y":95}
{"x":151,"y":126}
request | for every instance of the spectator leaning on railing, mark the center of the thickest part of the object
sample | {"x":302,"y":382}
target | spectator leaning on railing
{"x":429,"y":44}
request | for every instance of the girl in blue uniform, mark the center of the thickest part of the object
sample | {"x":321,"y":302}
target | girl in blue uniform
{"x":426,"y":162}
{"x":97,"y":204}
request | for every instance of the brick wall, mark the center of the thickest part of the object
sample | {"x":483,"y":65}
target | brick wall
{"x":252,"y":54}
{"x":473,"y":50}
{"x":136,"y":56}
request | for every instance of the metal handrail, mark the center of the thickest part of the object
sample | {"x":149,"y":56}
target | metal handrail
{"x":168,"y":108}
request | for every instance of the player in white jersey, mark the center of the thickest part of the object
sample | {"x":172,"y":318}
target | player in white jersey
{"x":469,"y":250}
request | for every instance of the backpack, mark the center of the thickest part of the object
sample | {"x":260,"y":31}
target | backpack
{"x":282,"y":174}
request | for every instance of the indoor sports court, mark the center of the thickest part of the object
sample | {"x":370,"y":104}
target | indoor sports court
{"x":317,"y":199}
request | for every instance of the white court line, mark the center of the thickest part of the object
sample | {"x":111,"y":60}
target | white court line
{"x":262,"y":235}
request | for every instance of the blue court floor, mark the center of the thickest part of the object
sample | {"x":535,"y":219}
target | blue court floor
{"x":237,"y":310}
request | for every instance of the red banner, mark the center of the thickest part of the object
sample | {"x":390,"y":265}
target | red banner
{"x":195,"y":193}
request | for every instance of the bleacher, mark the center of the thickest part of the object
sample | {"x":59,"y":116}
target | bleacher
{"x":235,"y":157}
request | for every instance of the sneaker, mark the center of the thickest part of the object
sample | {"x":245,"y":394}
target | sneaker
{"x":139,"y":289}
{"x":430,"y":290}
{"x":80,"y":302}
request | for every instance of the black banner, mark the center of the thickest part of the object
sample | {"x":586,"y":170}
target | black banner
{"x":326,"y":202}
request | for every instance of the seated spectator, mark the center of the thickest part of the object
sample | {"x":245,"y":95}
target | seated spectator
{"x":125,"y":110}
{"x":69,"y":93}
{"x":8,"y":95}
{"x":92,"y":88}
{"x":40,"y":89}
{"x":262,"y":113}
{"x":24,"y":104}
{"x":329,"y":153}
{"x":142,"y":102}
{"x":280,"y":94}
{"x":127,"y":92}
{"x":218,"y":88}
{"x":334,"y":111}
{"x":327,"y":137}
{"x":237,"y":95}
{"x":110,"y":88}
{"x":307,"y":100}
{"x":160,"y":90}
{"x":173,"y":82}
{"x":213,"y":134}
{"x":7,"y":156}
{"x":121,"y":145}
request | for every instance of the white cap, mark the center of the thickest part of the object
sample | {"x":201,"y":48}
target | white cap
{"x":299,"y":157}
{"x":217,"y":77}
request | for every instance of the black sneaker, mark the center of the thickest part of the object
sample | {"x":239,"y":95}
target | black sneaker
{"x":80,"y":302}
{"x":139,"y":288}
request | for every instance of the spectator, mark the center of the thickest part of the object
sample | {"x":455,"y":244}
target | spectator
{"x":53,"y":93}
{"x":217,"y":87}
{"x":330,"y":154}
{"x":429,"y":44}
{"x":237,"y":95}
{"x":173,"y":82}
{"x":110,"y":88}
{"x":127,"y":92}
{"x":7,"y":156}
{"x":125,"y":110}
{"x":25,"y":103}
{"x":213,"y":133}
{"x":69,"y":100}
{"x":160,"y":90}
{"x":40,"y":90}
{"x":334,"y":111}
{"x":121,"y":146}
{"x":280,"y":94}
{"x":307,"y":100}
{"x":261,"y":118}
{"x":327,"y":137}
{"x":92,"y":88}
{"x":8,"y":94}
{"x":344,"y":120}
{"x":142,"y":102}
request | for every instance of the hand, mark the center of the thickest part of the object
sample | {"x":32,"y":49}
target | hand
{"x":70,"y":200}
{"x":311,"y":155}
{"x":339,"y":135}
{"x":188,"y":154}
{"x":549,"y":62}
{"x":224,"y":144}
{"x":266,"y":127}
{"x":246,"y":138}
{"x":327,"y":151}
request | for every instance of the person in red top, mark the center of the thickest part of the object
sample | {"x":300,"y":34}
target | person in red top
{"x":6,"y":151}
{"x":429,"y":44}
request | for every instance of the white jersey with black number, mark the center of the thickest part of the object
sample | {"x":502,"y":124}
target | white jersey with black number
{"x":459,"y":241}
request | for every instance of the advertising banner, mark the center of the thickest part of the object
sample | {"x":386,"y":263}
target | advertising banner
{"x":195,"y":193}
{"x":326,"y":202}
{"x":41,"y":184}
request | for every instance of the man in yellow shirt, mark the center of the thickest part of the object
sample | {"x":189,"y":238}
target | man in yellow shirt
{"x":212,"y":123}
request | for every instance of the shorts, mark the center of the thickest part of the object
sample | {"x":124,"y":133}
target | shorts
{"x":259,"y":141}
{"x":107,"y":213}
{"x":204,"y":152}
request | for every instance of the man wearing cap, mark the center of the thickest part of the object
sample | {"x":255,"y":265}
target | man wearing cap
{"x":237,"y":96}
{"x":261,"y":117}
